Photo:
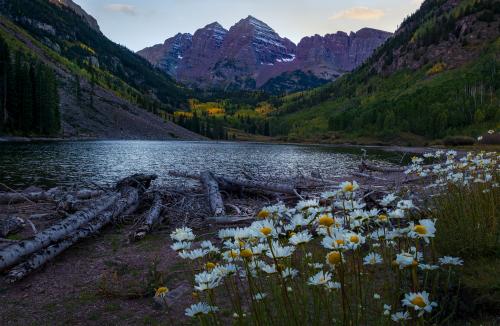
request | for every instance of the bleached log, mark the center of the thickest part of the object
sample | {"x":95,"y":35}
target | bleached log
{"x":369,"y":176}
{"x":153,"y":217}
{"x":129,"y":198}
{"x":262,"y":185}
{"x":52,"y":194}
{"x":11,"y":225}
{"x":18,"y":197}
{"x":88,"y":194}
{"x":14,"y":253}
{"x":214,"y":196}
{"x":226,"y":182}
{"x":368,"y":166}
{"x":230,"y":219}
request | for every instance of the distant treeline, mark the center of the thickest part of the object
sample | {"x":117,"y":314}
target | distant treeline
{"x":29,"y":102}
{"x":209,"y":127}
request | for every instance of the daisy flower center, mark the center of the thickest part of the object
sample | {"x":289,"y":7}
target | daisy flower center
{"x":354,"y":239}
{"x":266,"y":230}
{"x":246,"y":253}
{"x":326,"y":220}
{"x":334,"y":257}
{"x":420,"y":229}
{"x":418,"y":301}
{"x":263,"y":214}
{"x":348,"y":187}
{"x":161,"y":291}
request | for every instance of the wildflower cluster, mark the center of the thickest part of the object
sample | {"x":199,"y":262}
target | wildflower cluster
{"x":465,"y":170}
{"x":328,"y":260}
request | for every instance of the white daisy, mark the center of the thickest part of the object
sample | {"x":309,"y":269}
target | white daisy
{"x":419,"y":301}
{"x":400,"y":316}
{"x":387,"y":200}
{"x":372,"y":259}
{"x":425,"y":229}
{"x":348,"y":187}
{"x":182,"y":234}
{"x":259,"y":296}
{"x":333,"y":285}
{"x":405,"y":259}
{"x":200,"y":308}
{"x":320,"y":278}
{"x":193,"y":254}
{"x":300,"y":238}
{"x":279,"y":251}
{"x":448,"y":260}
{"x":177,"y":246}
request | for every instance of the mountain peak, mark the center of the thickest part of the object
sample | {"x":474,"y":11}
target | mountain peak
{"x":214,"y":25}
{"x":257,"y":23}
{"x":91,"y":21}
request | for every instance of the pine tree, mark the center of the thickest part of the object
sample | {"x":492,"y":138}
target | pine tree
{"x":5,"y":66}
{"x":26,"y":100}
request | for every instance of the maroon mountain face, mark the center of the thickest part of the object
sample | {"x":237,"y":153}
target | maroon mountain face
{"x":251,"y":53}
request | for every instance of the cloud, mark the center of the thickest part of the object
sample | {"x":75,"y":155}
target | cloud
{"x":359,"y":13}
{"x":122,"y":8}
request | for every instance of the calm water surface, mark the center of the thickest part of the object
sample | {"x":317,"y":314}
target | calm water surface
{"x":103,"y":162}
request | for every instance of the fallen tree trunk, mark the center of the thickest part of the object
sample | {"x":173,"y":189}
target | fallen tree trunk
{"x":214,"y":196}
{"x":14,"y":253}
{"x":368,"y":176}
{"x":11,"y":225}
{"x":152,"y":218}
{"x":262,"y":185}
{"x":52,"y":194}
{"x":231,"y":184}
{"x":19,"y":197}
{"x":129,"y":198}
{"x":367,"y":166}
{"x":230,"y":219}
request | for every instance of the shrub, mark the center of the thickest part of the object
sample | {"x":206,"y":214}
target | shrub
{"x":458,"y":141}
{"x":436,"y":69}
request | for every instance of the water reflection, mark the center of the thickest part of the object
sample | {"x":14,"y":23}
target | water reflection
{"x":63,"y":163}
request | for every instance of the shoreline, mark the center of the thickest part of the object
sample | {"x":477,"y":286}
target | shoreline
{"x":386,"y":148}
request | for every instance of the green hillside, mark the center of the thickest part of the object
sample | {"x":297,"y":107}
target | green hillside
{"x":438,"y":76}
{"x":90,"y":54}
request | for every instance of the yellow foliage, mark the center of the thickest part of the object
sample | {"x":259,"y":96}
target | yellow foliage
{"x":211,"y":108}
{"x":264,"y":109}
{"x":86,"y":47}
{"x":436,"y":69}
{"x":183,"y":114}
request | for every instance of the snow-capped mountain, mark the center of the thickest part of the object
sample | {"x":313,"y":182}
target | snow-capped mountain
{"x":251,"y":53}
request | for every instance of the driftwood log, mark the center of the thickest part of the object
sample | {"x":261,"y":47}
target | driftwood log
{"x":11,"y":225}
{"x":52,"y":194}
{"x":16,"y":252}
{"x":371,"y":167}
{"x":153,"y":217}
{"x":129,"y":197}
{"x":231,"y":184}
{"x":214,"y":196}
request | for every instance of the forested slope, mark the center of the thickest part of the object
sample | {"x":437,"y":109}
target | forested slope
{"x":438,"y":76}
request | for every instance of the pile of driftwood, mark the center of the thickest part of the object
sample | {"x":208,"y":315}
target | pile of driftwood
{"x":23,"y":257}
{"x":214,"y":199}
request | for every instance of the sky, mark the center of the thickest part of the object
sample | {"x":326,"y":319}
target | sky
{"x":141,"y":23}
